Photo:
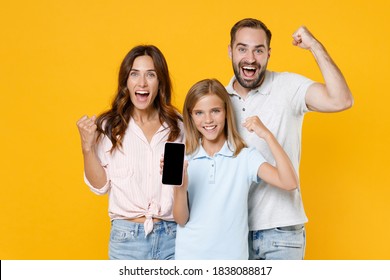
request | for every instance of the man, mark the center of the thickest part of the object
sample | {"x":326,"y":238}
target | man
{"x":280,"y":100}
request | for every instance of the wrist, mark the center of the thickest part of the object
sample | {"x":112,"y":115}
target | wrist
{"x":317,"y":47}
{"x":88,"y":150}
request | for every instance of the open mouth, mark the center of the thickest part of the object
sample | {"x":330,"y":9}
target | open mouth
{"x":142,"y":95}
{"x":249,"y":71}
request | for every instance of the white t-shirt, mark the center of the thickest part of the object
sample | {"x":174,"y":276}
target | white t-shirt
{"x":280,"y":104}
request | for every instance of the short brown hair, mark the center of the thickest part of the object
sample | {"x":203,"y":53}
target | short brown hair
{"x":250,"y":23}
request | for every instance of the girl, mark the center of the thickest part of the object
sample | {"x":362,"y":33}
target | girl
{"x":211,"y":205}
{"x":121,"y":150}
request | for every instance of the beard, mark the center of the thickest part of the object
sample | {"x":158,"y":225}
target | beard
{"x":253,"y":83}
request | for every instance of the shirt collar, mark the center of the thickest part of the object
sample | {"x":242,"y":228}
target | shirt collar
{"x":225,"y":151}
{"x":263,"y":89}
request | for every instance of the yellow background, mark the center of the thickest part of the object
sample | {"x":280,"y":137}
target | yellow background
{"x":60,"y":60}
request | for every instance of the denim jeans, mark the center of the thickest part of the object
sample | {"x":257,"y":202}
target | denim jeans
{"x":128,"y":241}
{"x":282,"y":243}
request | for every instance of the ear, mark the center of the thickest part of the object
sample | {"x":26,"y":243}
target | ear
{"x":269,"y":53}
{"x":230,"y":51}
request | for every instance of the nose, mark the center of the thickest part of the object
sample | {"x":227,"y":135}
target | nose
{"x":208,"y":118}
{"x":250,"y":58}
{"x":143,"y":82}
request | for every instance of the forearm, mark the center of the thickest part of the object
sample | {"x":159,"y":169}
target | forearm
{"x":94,"y":172}
{"x":288,"y":178}
{"x":180,"y":205}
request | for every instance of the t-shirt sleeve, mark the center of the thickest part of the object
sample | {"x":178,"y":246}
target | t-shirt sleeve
{"x":255,"y":159}
{"x":297,"y":86}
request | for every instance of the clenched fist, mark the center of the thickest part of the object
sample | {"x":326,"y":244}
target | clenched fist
{"x":303,"y":38}
{"x":88,"y":132}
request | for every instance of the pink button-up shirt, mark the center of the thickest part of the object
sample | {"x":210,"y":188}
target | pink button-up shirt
{"x":133,"y":176}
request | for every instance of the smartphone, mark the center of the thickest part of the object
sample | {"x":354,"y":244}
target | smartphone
{"x":172,"y":173}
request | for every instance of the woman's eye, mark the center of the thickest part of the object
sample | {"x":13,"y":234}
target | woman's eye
{"x":151,"y":75}
{"x":133,"y":74}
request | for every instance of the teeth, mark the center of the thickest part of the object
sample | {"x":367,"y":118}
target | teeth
{"x":249,"y":68}
{"x":142,"y":92}
{"x":210,"y":127}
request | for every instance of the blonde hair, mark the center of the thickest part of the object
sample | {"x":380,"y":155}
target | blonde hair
{"x":192,"y":135}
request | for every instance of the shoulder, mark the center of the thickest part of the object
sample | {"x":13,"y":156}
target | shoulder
{"x":283,"y":76}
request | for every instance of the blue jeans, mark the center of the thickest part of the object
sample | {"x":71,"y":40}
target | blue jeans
{"x":281,"y":243}
{"x":128,"y":241}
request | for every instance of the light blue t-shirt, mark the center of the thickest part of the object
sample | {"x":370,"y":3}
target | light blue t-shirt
{"x":218,"y":197}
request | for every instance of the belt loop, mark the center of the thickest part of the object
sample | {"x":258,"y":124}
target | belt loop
{"x":165,"y":226}
{"x":136,"y":229}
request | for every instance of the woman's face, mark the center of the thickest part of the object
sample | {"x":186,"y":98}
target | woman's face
{"x":142,"y":83}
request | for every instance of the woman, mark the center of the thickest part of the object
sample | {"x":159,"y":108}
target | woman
{"x":122,"y":149}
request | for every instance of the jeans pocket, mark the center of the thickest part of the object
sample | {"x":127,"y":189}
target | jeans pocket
{"x":289,"y":237}
{"x":121,"y":235}
{"x":171,"y":229}
{"x":296,"y":228}
{"x":287,"y":244}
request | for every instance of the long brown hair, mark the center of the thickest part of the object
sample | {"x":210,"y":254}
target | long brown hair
{"x":113,"y":123}
{"x":196,"y":92}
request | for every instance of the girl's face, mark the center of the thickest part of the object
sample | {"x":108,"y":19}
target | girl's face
{"x":142,"y":82}
{"x":209,"y":116}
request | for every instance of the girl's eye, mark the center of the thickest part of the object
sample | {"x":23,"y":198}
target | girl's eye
{"x":216,"y":110}
{"x":198,"y":113}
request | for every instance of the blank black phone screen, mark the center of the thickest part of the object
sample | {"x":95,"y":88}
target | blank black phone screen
{"x":173,"y":163}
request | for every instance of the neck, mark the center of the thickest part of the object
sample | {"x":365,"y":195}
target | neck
{"x":144,"y":116}
{"x":243,"y":92}
{"x":213,"y":147}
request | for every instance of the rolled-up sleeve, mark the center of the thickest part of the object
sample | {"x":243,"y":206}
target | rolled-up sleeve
{"x":102,"y":190}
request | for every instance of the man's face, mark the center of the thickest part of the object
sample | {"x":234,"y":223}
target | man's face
{"x":250,"y":54}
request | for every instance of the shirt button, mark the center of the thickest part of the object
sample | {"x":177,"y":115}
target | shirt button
{"x":243,"y":109}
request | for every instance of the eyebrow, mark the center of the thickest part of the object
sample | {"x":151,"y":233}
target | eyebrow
{"x":148,"y":70}
{"x":213,"y":108}
{"x":246,"y":45}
